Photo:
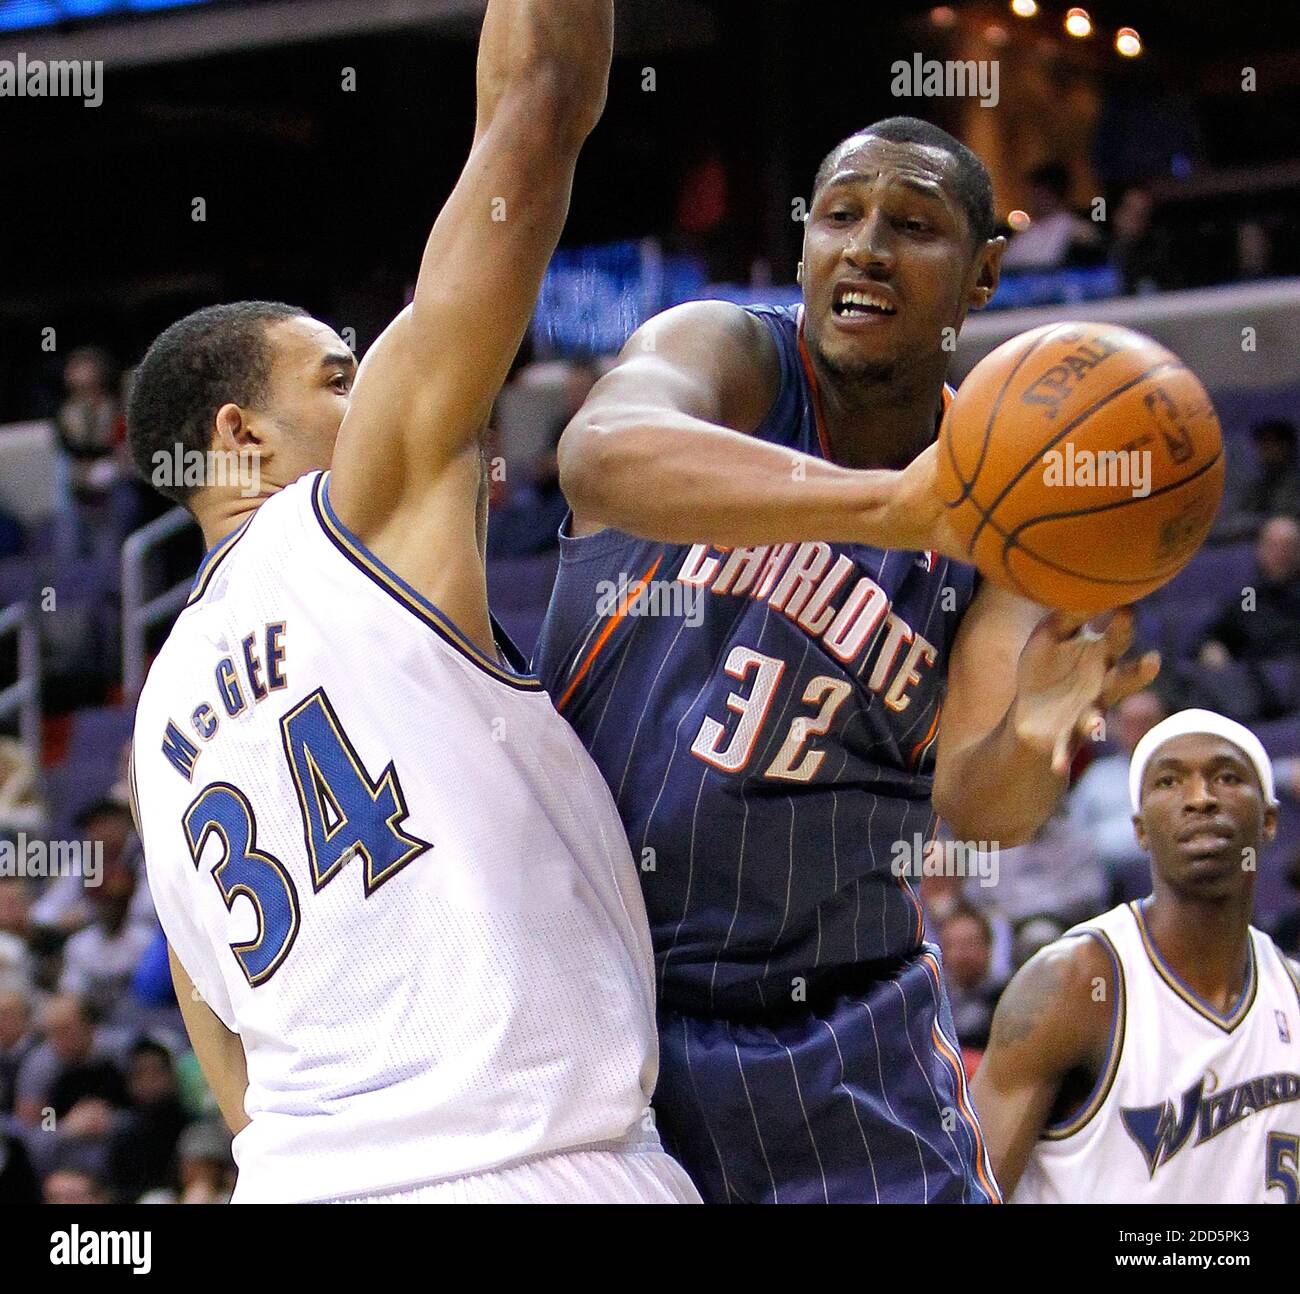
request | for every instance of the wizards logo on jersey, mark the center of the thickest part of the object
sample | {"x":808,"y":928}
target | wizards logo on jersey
{"x":1161,"y":1131}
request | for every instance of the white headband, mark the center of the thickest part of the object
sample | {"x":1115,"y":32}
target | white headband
{"x":1211,"y":724}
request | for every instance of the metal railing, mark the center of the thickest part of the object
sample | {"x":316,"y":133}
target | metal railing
{"x":23,"y":698}
{"x":139,"y":612}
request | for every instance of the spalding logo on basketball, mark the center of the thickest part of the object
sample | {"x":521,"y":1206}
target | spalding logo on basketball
{"x":1082,"y":465}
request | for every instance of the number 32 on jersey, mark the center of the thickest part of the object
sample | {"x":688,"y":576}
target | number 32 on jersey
{"x":792,"y":762}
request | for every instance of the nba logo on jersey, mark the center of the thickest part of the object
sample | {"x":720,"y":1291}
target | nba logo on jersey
{"x":1283,"y":1031}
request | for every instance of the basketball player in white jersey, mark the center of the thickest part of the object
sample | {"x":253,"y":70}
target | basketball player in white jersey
{"x":406,"y":931}
{"x":1152,"y":1055}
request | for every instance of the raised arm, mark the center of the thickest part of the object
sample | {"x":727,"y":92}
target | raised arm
{"x":1024,"y":688}
{"x":663,"y":448}
{"x":426,"y":386}
{"x":1050,"y":1032}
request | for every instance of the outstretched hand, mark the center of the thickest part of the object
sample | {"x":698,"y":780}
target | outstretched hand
{"x":1069,"y":675}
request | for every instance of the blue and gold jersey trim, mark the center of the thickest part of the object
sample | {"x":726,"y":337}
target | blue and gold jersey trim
{"x":1166,"y":972}
{"x":368,"y":564}
{"x":211,"y":560}
{"x":1114,"y":1050}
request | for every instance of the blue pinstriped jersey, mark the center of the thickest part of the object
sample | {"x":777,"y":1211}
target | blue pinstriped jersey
{"x":766,"y":719}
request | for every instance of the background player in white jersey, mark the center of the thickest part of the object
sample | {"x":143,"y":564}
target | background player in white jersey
{"x":1152,"y":1055}
{"x":406,"y":932}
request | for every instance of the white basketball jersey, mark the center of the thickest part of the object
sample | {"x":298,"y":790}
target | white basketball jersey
{"x":392,"y":869}
{"x":1193,"y":1107}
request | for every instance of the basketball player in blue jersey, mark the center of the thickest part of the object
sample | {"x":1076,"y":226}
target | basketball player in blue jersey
{"x":755,"y":628}
{"x":1152,"y":1055}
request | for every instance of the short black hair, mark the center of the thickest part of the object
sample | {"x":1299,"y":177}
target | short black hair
{"x":147,"y":1046}
{"x":970,"y":178}
{"x":215,"y":356}
{"x":104,"y":807}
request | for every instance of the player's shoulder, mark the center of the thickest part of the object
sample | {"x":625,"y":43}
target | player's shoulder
{"x":716,"y":335}
{"x":718,"y":346}
{"x":1064,"y":996}
{"x":1075,"y":961}
{"x":716,"y":321}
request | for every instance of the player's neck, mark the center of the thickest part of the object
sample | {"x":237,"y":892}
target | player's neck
{"x":1205,"y":941}
{"x":220,"y":517}
{"x":879,"y":424}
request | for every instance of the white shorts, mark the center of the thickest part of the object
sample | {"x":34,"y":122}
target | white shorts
{"x":591,"y":1175}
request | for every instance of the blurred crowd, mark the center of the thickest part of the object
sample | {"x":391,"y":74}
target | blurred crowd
{"x":1149,"y":249}
{"x":101,"y":1098}
{"x":98,"y":500}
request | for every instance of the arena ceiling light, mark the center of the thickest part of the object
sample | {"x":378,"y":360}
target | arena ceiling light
{"x":1128,"y":42}
{"x":1078,"y":23}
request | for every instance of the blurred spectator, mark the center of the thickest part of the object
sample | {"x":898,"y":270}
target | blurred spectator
{"x":1273,"y":490}
{"x":142,"y":1145}
{"x":66,"y":904}
{"x":17,"y":1042}
{"x":1287,"y":933}
{"x":151,"y":983}
{"x":528,"y":522}
{"x":1254,"y":251}
{"x":15,"y":931}
{"x":207,"y":1168}
{"x":18,"y":1181}
{"x":1142,"y":251}
{"x":1056,"y":874}
{"x":1099,"y":806}
{"x":1286,"y":773}
{"x":22,"y":810}
{"x":73,"y":1186}
{"x":1056,"y":236}
{"x":942,"y":892}
{"x":1249,"y":666}
{"x":99,"y":961}
{"x":89,"y":428}
{"x":1034,"y":934}
{"x":702,"y":223}
{"x":967,"y":944}
{"x":70,"y":1073}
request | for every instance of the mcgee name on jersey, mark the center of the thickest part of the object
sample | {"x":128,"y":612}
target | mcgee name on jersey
{"x":263,"y":654}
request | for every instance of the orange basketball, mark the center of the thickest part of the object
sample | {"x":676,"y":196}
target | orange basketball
{"x":1082,"y":465}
